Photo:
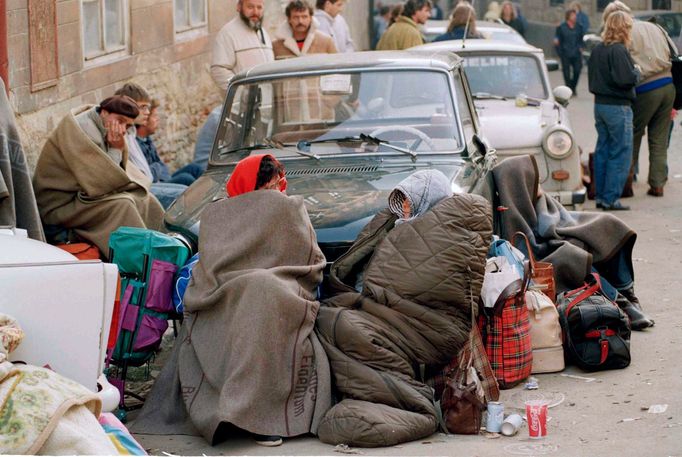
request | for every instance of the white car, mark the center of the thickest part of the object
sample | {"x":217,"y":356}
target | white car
{"x":519,"y":112}
{"x":495,"y":31}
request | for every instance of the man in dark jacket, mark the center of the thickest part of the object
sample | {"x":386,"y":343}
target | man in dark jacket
{"x":568,"y":40}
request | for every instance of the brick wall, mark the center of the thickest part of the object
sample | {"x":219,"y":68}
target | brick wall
{"x":172,"y":67}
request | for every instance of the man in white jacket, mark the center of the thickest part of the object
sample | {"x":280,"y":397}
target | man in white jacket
{"x":328,"y":15}
{"x":241,"y":44}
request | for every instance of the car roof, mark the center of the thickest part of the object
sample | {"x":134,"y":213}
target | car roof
{"x":477,"y":45}
{"x":480,"y":25}
{"x":369,"y":59}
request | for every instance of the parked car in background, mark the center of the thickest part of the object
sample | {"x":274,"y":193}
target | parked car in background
{"x":519,"y":112}
{"x":671,"y":21}
{"x":347,"y":132}
{"x":495,"y":31}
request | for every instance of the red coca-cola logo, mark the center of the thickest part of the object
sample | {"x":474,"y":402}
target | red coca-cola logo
{"x":535,"y":421}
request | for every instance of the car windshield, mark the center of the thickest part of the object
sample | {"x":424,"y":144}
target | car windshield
{"x":411,"y":110}
{"x":505,"y":75}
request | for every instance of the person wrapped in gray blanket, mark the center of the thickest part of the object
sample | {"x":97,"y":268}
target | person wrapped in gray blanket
{"x":247,"y":354}
{"x":423,"y":261}
{"x":575,"y":242}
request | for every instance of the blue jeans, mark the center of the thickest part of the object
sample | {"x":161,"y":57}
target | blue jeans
{"x":613,"y":153}
{"x":187,"y":174}
{"x":167,"y":192}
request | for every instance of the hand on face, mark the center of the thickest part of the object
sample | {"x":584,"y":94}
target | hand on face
{"x":116,"y":125}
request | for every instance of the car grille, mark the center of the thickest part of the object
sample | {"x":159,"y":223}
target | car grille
{"x":333,"y":170}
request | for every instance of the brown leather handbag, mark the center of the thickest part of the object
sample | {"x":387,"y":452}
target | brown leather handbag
{"x":541,"y":273}
{"x":463,"y":399}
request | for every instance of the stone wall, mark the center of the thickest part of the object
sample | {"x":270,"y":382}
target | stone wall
{"x":172,"y":67}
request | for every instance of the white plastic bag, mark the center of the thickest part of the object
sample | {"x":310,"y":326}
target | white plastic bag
{"x":499,"y":273}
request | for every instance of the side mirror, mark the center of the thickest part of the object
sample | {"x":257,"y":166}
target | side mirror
{"x":562,"y":94}
{"x":552,"y":65}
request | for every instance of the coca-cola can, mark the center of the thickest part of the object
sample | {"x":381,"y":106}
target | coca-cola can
{"x":536,"y":414}
{"x":495,"y":416}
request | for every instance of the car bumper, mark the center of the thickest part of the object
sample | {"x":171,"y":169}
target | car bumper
{"x":569,"y":198}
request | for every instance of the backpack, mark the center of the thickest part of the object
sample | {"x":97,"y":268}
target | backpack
{"x":596,"y":331}
{"x":147,"y":261}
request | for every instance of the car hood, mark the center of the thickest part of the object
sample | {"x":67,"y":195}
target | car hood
{"x":340,"y":199}
{"x":508,"y":126}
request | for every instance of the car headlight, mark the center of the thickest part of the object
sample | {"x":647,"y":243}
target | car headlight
{"x":558,"y":143}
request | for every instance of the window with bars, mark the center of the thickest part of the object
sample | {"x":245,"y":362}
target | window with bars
{"x":104,"y":27}
{"x":189,"y":14}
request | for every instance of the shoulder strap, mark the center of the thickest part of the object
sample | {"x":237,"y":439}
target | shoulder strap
{"x":588,"y":290}
{"x":671,"y":48}
{"x":531,"y":257}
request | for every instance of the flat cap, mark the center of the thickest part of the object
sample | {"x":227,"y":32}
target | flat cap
{"x":121,"y":104}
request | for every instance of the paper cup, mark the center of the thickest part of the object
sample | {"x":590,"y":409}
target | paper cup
{"x":536,"y":414}
{"x":511,"y":425}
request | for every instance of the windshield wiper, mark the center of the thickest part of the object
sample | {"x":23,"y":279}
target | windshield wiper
{"x":246,"y":148}
{"x":377,"y":141}
{"x":268,"y":143}
{"x":304,"y":145}
{"x":487,"y":96}
{"x":280,"y":145}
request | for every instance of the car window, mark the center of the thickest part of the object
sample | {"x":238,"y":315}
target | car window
{"x":402,"y":105}
{"x":505,"y":75}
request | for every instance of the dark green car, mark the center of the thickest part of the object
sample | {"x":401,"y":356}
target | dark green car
{"x":348,"y":129}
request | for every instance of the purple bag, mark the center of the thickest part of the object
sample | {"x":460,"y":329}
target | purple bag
{"x":160,"y":288}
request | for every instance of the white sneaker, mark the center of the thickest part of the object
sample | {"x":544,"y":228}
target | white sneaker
{"x":268,"y":440}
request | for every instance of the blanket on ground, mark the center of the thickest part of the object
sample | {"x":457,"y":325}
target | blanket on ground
{"x":17,"y":201}
{"x":247,"y":353}
{"x":43,"y":412}
{"x":420,"y":283}
{"x":79,"y":187}
{"x":572,"y":241}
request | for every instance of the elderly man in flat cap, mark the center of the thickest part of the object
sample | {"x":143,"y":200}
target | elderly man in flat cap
{"x":85,"y":186}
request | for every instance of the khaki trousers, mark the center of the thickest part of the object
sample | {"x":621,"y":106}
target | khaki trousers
{"x":651,"y":112}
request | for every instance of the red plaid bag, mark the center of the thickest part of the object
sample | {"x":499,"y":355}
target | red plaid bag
{"x":506,"y":335}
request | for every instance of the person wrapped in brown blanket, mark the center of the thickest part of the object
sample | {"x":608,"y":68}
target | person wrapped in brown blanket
{"x":420,"y":279}
{"x":85,"y":183}
{"x":247,"y":354}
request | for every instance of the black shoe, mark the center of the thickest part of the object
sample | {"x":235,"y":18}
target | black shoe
{"x":655,"y":191}
{"x":600,"y":205}
{"x":268,"y":440}
{"x":638,"y":320}
{"x":629,"y":293}
{"x":615,"y":206}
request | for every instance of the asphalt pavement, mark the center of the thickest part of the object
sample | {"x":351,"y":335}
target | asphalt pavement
{"x":592,"y":414}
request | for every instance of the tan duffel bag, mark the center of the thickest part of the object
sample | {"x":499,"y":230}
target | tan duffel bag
{"x":545,"y":333}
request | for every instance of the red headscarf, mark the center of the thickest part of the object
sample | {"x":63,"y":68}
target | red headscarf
{"x":245,"y":175}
